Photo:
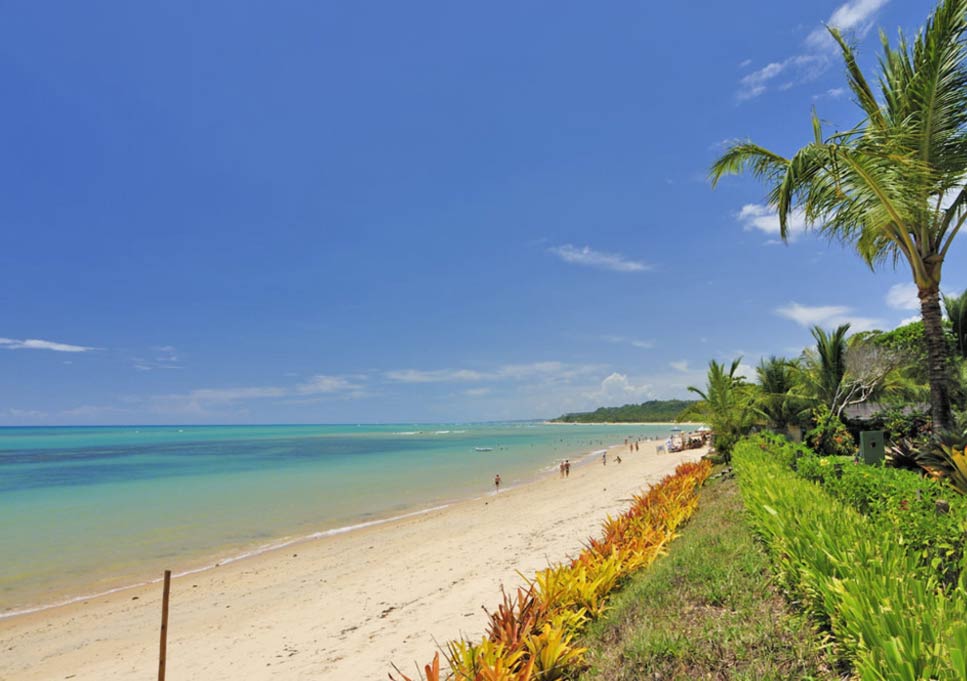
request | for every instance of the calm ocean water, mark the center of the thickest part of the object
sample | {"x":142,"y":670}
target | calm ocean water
{"x":85,"y":510}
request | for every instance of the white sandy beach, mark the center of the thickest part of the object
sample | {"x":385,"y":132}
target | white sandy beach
{"x":341,"y":607}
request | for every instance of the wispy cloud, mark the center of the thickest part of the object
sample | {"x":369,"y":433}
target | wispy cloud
{"x":200,"y":400}
{"x":765,"y":219}
{"x":681,"y":365}
{"x":165,"y":357}
{"x":827,"y":316}
{"x":832,"y":93}
{"x":36,"y":344}
{"x":513,"y":372}
{"x":588,"y":257}
{"x":434,"y":375}
{"x":855,"y":16}
{"x":903,"y":297}
{"x":634,"y":342}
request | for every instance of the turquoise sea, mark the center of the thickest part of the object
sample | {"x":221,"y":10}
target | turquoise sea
{"x":87,"y":510}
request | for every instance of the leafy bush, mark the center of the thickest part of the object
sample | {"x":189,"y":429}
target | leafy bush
{"x":900,"y":501}
{"x":830,"y":436}
{"x":852,"y":577}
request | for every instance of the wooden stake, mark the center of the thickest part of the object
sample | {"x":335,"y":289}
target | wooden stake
{"x":164,"y":626}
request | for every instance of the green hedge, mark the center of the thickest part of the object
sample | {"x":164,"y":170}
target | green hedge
{"x":898,"y":499}
{"x":888,"y":619}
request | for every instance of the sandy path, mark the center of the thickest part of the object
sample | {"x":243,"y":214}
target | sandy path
{"x":342,"y":607}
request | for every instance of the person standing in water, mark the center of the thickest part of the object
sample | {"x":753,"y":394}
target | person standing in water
{"x":497,"y":482}
{"x":567,"y":468}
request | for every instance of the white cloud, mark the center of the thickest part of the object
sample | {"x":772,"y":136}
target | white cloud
{"x":322,"y":384}
{"x":832,"y":93}
{"x":826,"y":316}
{"x":616,"y":388}
{"x":755,"y":83}
{"x":200,"y":400}
{"x":903,"y":297}
{"x":765,"y":219}
{"x":634,"y":342}
{"x":908,"y":320}
{"x":512,"y":372}
{"x":591,"y":258}
{"x":681,"y":365}
{"x":477,"y":392}
{"x":854,"y":16}
{"x":434,"y":376}
{"x":36,"y":344}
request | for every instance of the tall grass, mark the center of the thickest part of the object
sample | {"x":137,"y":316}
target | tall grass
{"x":885,"y":617}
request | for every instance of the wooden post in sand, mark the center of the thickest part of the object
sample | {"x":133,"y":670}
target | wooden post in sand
{"x":164,"y":626}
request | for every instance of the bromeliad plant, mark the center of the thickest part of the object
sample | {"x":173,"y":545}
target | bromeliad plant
{"x":530,"y":636}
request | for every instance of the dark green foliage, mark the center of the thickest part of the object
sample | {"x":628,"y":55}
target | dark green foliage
{"x":829,"y":434}
{"x":707,"y":610}
{"x":903,"y":501}
{"x":661,"y":411}
{"x":899,"y":423}
{"x":776,"y":400}
{"x":957,"y":314}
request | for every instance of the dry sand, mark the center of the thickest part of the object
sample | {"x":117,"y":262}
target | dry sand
{"x":341,"y":607}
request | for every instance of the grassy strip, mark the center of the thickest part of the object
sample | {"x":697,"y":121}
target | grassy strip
{"x":706,"y":610}
{"x":531,"y":635}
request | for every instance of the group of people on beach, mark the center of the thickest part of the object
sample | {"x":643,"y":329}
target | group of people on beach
{"x":564,"y":467}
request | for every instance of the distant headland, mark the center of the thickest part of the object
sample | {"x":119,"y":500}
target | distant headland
{"x":653,"y":411}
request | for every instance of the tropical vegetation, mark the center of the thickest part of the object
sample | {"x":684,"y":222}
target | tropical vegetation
{"x":893,"y":186}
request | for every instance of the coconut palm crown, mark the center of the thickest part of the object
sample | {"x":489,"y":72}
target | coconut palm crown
{"x":895,"y":186}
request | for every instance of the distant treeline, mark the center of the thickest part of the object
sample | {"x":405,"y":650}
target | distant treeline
{"x":653,"y":410}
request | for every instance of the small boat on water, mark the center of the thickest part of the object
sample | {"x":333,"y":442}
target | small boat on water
{"x":483,"y":449}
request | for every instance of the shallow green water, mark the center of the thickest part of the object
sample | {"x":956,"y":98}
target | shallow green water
{"x":89,"y":509}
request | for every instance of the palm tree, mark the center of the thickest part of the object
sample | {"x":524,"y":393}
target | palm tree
{"x":726,"y":405}
{"x":826,"y":369}
{"x":957,"y":313}
{"x":893,"y":187}
{"x":777,"y":401}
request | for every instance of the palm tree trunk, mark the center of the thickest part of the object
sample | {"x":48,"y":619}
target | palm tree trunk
{"x":938,"y":358}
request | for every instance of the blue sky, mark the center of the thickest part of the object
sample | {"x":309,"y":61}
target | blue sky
{"x":355,"y":212}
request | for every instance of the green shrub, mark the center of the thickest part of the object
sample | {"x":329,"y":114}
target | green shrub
{"x":899,"y":500}
{"x":851,"y":575}
{"x":830,"y":435}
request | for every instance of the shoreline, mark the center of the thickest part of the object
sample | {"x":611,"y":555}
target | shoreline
{"x":342,"y":606}
{"x":213,"y":559}
{"x":670,"y":424}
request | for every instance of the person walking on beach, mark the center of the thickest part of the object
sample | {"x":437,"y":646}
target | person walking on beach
{"x":497,"y":482}
{"x":567,"y":468}
{"x":604,"y":459}
{"x":561,"y":467}
{"x":618,"y":458}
